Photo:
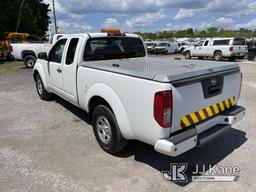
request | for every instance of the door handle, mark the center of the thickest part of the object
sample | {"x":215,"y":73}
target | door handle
{"x":59,"y":70}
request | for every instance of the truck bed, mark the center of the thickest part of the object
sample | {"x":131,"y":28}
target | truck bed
{"x":163,"y":69}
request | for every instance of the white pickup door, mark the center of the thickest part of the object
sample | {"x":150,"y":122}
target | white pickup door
{"x":62,"y":65}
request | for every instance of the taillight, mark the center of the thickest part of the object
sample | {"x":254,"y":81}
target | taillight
{"x":231,"y":49}
{"x":163,"y":108}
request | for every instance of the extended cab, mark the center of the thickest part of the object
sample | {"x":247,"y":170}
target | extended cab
{"x":172,"y":105}
{"x":218,"y":48}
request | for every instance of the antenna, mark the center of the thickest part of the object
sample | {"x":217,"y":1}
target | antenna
{"x":54,"y":17}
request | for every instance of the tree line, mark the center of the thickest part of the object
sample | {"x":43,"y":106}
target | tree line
{"x":191,"y":33}
{"x":25,"y":16}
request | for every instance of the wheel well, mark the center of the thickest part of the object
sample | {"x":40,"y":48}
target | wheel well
{"x":35,"y":74}
{"x":185,"y":52}
{"x":26,"y":53}
{"x":95,"y":101}
{"x":217,"y":51}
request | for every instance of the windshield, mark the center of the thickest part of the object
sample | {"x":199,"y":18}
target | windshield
{"x":163,"y":44}
{"x":106,"y":48}
{"x":150,"y":44}
{"x":239,"y":41}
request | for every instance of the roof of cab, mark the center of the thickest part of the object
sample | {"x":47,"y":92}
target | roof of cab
{"x":95,"y":35}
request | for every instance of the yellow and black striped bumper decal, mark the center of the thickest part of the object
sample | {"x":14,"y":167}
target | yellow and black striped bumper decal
{"x":206,"y":113}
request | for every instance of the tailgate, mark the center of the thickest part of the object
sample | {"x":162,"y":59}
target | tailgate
{"x":240,"y":49}
{"x":197,"y":100}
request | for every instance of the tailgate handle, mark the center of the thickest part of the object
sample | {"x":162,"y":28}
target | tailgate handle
{"x":214,"y":89}
{"x":212,"y":86}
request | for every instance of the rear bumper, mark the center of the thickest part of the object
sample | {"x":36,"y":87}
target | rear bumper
{"x":199,"y":134}
{"x":242,"y":54}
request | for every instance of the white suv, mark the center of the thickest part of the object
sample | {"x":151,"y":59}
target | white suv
{"x":218,"y":48}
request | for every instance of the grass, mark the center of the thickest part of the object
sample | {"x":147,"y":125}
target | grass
{"x":6,"y":67}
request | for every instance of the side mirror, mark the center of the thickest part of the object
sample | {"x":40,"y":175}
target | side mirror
{"x":43,"y":56}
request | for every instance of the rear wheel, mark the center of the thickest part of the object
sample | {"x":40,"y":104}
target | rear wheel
{"x":187,"y":55}
{"x":42,"y":92}
{"x":29,"y":61}
{"x":106,"y":130}
{"x":218,"y":56}
{"x":231,"y":58}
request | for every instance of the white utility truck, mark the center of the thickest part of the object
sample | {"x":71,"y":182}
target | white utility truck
{"x":172,"y":105}
{"x":218,"y":48}
{"x":165,"y":48}
{"x":28,"y":51}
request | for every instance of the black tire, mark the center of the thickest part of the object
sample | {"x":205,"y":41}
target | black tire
{"x":231,"y":58}
{"x":251,"y":56}
{"x":29,"y":61}
{"x":218,"y":56}
{"x":187,"y":55}
{"x":108,"y":136}
{"x":42,"y":92}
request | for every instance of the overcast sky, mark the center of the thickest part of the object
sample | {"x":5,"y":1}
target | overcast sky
{"x":153,"y":15}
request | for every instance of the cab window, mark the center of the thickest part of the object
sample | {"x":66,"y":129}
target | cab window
{"x":106,"y":48}
{"x":56,"y":52}
{"x":206,"y":43}
{"x":200,"y":43}
{"x":71,"y":51}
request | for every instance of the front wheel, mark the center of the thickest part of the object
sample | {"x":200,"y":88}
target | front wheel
{"x":106,"y":130}
{"x":187,"y":55}
{"x":29,"y":61}
{"x":42,"y":92}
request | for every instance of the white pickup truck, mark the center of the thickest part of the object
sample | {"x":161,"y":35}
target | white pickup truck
{"x":28,"y":51}
{"x":218,"y":48}
{"x":172,"y":105}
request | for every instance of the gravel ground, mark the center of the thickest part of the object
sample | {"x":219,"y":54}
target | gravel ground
{"x":49,"y":146}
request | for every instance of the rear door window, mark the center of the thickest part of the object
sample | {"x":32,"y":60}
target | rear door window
{"x":221,"y":42}
{"x":71,"y":51}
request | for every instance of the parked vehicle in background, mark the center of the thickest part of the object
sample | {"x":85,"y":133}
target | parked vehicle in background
{"x":251,"y":50}
{"x":14,"y":37}
{"x":150,"y":46}
{"x":2,"y":53}
{"x":218,"y":48}
{"x":182,"y":46}
{"x":5,"y":51}
{"x":28,"y":51}
{"x":172,"y":105}
{"x":164,"y":48}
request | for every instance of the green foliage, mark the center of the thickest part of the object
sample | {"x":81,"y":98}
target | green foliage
{"x":210,"y":32}
{"x":7,"y":67}
{"x":34,"y":17}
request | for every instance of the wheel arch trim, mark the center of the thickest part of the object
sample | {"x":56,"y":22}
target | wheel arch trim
{"x":38,"y":69}
{"x":108,"y":94}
